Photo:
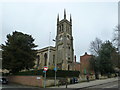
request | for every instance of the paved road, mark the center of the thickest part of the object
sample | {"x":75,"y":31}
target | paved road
{"x":107,"y":85}
{"x":114,"y":85}
{"x":111,"y":81}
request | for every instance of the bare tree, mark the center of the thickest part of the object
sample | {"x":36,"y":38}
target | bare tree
{"x":95,"y":46}
{"x":116,"y":42}
{"x":116,"y":38}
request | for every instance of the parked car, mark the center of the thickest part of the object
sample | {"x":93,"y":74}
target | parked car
{"x":73,"y":80}
{"x":3,"y":81}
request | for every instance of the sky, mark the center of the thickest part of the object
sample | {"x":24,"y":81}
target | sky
{"x":89,"y":20}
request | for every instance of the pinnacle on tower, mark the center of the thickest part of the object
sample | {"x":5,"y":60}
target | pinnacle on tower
{"x":58,"y":18}
{"x":64,"y":14}
{"x":70,"y":19}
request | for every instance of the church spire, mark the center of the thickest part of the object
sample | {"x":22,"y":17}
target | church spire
{"x":58,"y":18}
{"x":64,"y":14}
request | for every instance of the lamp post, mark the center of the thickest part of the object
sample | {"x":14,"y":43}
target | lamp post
{"x":46,"y":66}
{"x":44,"y":79}
{"x":45,"y":70}
{"x":49,"y":50}
{"x":55,"y":74}
{"x":119,"y":49}
{"x":55,"y":69}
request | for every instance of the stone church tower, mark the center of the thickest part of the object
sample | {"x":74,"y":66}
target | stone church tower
{"x":62,"y":55}
{"x":64,"y":44}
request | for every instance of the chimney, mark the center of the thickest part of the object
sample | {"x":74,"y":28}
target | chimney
{"x":85,"y":53}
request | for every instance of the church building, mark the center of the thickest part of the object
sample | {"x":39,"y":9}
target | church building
{"x":62,"y":55}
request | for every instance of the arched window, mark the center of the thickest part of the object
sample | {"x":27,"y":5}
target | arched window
{"x":68,"y":67}
{"x":68,"y":37}
{"x":60,"y":29}
{"x":45,"y":59}
{"x":53,"y":59}
{"x":38,"y":60}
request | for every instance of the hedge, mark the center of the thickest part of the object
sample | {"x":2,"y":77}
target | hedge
{"x":50,"y":73}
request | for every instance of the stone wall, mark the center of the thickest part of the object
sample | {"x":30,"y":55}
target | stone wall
{"x":51,"y":82}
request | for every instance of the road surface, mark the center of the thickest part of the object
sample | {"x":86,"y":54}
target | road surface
{"x":107,"y":85}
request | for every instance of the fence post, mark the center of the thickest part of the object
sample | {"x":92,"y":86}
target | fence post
{"x":66,"y":84}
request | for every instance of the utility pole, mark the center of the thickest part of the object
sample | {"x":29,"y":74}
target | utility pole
{"x":119,"y":39}
{"x":45,"y":79}
{"x":45,"y":70}
{"x":55,"y":74}
{"x":46,"y":67}
{"x":119,"y":46}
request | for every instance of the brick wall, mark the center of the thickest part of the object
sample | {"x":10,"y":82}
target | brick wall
{"x":77,"y":66}
{"x":27,"y":80}
{"x":31,"y":80}
{"x":85,"y":64}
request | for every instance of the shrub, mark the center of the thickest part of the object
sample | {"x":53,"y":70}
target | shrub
{"x":51,"y":73}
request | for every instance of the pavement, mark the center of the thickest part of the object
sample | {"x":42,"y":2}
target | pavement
{"x":15,"y":85}
{"x":89,"y":84}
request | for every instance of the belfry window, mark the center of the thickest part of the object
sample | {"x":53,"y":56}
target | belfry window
{"x":62,"y":27}
{"x":68,"y":37}
{"x":69,"y":47}
{"x":68,"y":67}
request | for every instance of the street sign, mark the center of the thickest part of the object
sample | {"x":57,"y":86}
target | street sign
{"x":85,"y":72}
{"x":55,"y":69}
{"x":45,"y":68}
{"x":44,"y":71}
{"x":38,"y":77}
